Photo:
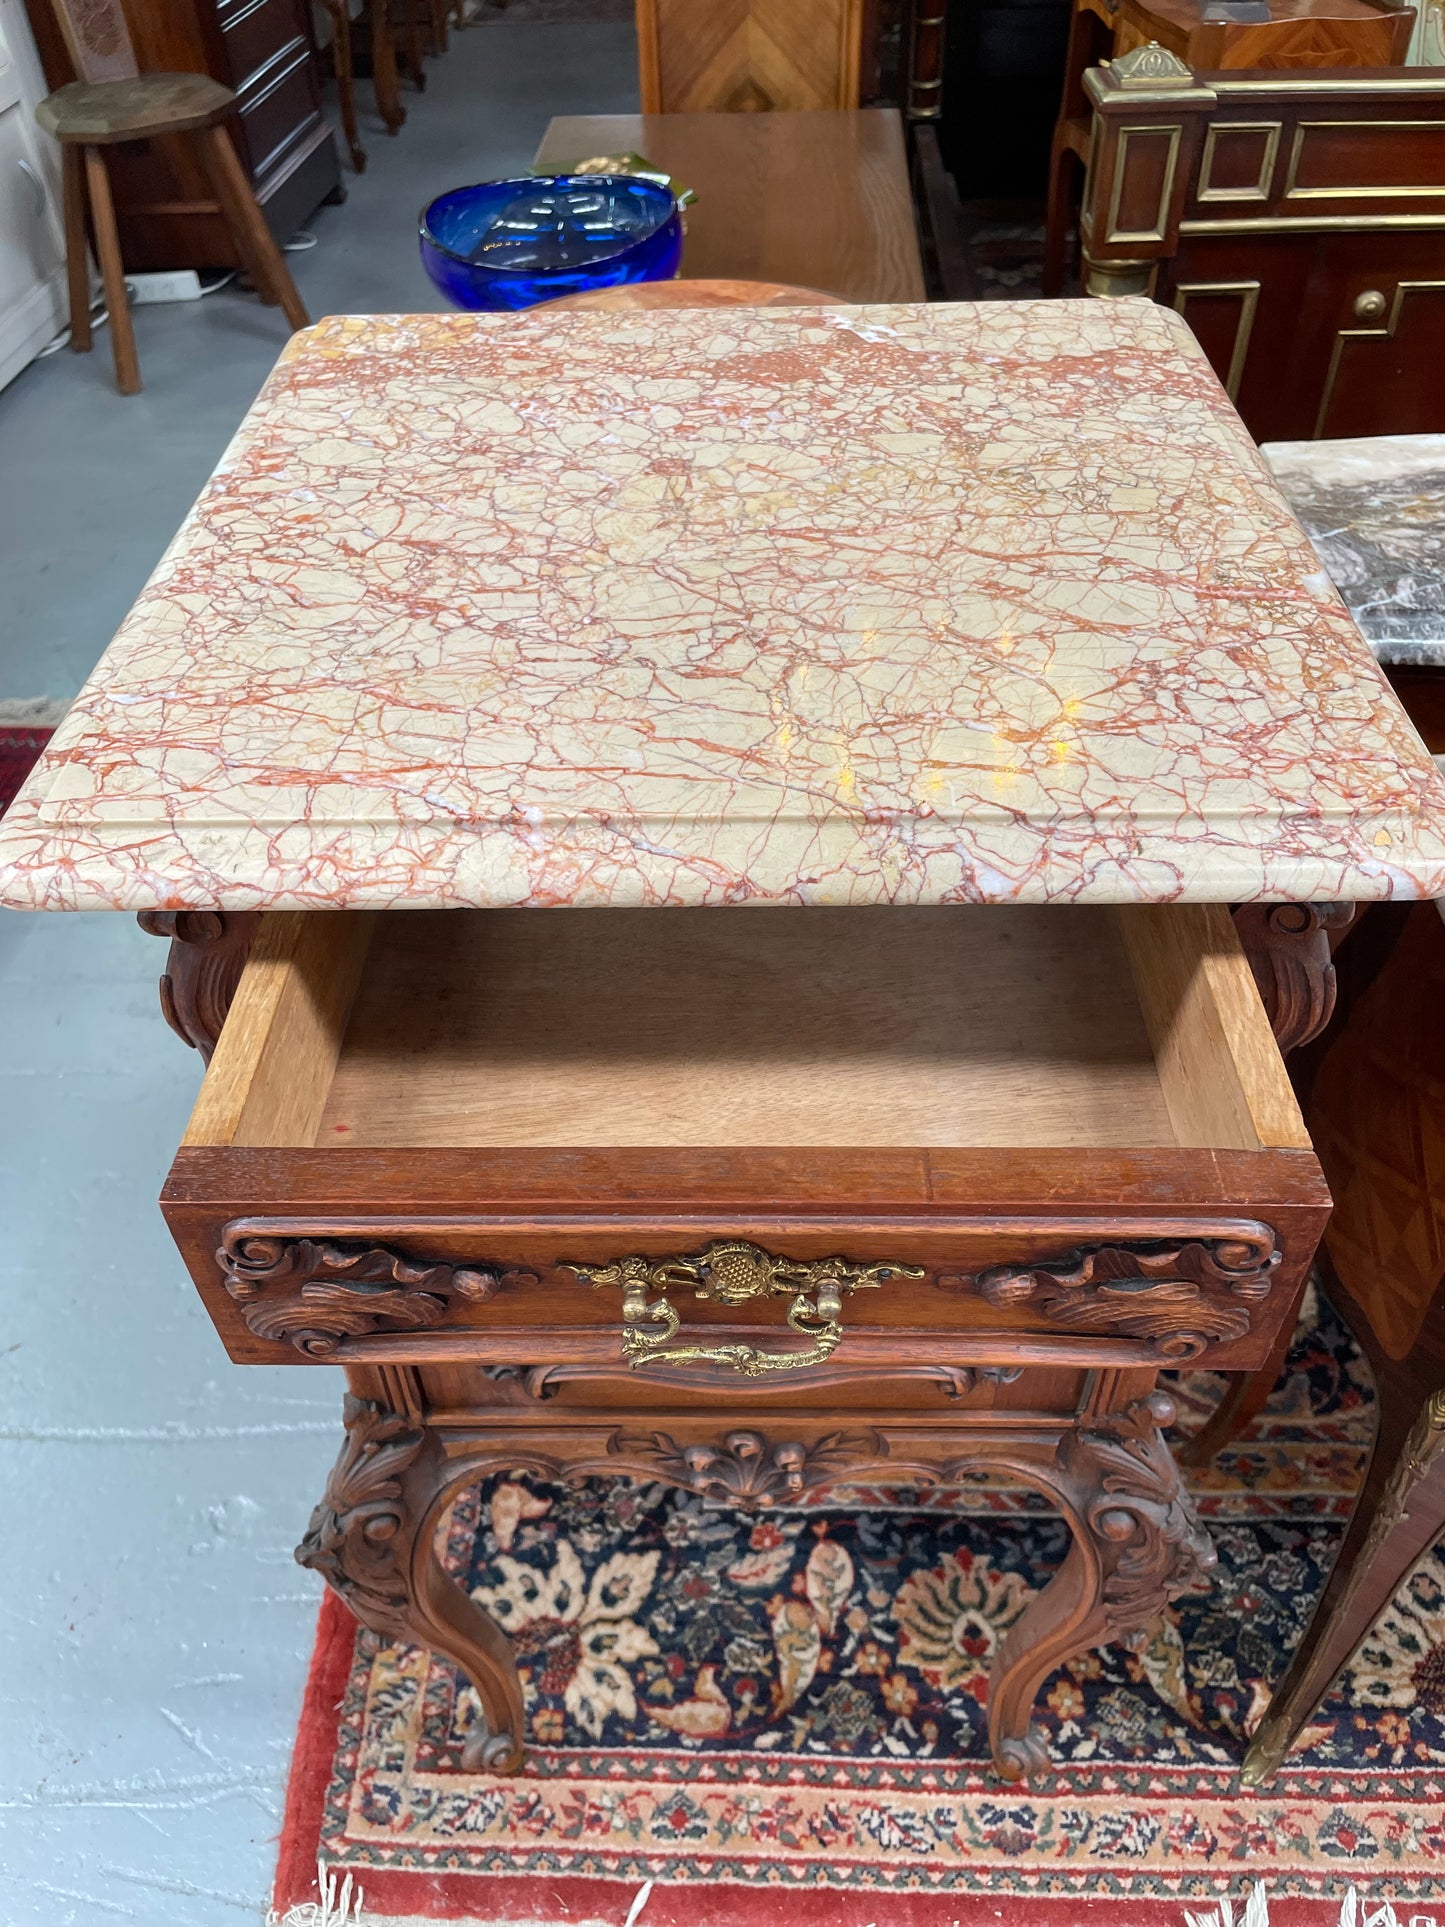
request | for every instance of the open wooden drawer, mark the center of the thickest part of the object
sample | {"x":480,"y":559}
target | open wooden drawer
{"x":805,"y":1139}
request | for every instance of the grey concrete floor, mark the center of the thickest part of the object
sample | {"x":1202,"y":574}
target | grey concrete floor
{"x":154,"y":1630}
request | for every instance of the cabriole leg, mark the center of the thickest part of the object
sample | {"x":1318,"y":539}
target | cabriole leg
{"x":373,"y":1539}
{"x":1137,"y":1544}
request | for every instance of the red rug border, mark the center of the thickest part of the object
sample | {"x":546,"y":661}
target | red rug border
{"x":21,"y":747}
{"x":530,"y":1897}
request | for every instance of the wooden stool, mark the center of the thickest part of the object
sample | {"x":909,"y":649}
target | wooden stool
{"x":110,"y":103}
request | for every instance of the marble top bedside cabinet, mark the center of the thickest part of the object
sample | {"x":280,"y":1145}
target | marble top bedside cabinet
{"x":697,"y":845}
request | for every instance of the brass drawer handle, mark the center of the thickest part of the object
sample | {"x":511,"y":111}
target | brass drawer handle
{"x":731,"y":1273}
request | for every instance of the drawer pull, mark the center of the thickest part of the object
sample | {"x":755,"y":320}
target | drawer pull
{"x":732,"y":1273}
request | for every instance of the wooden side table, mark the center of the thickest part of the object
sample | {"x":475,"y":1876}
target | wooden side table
{"x":819,"y":200}
{"x":733,"y":997}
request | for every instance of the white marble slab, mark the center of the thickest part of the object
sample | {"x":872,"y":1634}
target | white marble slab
{"x":904,"y":604}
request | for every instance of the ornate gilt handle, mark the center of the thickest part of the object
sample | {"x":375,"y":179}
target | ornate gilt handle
{"x":730,"y":1273}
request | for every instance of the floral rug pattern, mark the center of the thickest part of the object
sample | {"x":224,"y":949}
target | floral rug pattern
{"x":799,"y":1698}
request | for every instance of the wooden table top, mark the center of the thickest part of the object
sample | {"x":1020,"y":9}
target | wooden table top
{"x":817,"y":199}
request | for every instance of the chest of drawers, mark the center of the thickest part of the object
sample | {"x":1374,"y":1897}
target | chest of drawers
{"x":699,"y":849}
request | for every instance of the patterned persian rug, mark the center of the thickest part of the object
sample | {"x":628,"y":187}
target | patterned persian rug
{"x":781,"y":1719}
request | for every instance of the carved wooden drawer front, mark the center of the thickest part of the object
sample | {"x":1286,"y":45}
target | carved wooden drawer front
{"x":764,"y":1147}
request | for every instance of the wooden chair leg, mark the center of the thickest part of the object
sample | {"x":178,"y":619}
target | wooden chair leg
{"x":112,"y":273}
{"x":77,"y":264}
{"x":345,"y":79}
{"x":1056,"y":221}
{"x":383,"y":67}
{"x":415,"y":58}
{"x":438,"y":26}
{"x":255,"y":242}
{"x":1399,"y":1516}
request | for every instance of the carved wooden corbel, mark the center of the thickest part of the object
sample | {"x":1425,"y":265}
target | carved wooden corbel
{"x":1288,"y":947}
{"x":208,"y":953}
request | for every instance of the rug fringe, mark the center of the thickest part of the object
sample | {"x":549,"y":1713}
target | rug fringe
{"x":634,"y":1912}
{"x":1355,"y":1911}
{"x":334,"y":1909}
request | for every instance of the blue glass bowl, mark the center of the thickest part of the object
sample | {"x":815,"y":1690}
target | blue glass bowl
{"x":511,"y":244}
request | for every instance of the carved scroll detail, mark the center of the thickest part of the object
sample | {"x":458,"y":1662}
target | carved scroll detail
{"x":1288,"y":947}
{"x":1141,"y":1518}
{"x":1178,"y":1297}
{"x":358,"y":1530}
{"x":748,"y":1469}
{"x":208,"y":953}
{"x":315,"y":1294}
{"x":1137,"y":1544}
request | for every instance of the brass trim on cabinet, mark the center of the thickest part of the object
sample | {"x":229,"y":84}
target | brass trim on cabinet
{"x":1319,"y":224}
{"x":1415,"y":81}
{"x":1115,"y":236}
{"x":1243,"y":328}
{"x":1293,"y":193}
{"x":1113,"y":280}
{"x":1260,"y":192}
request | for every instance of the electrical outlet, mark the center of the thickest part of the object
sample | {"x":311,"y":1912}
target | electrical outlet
{"x":180,"y":284}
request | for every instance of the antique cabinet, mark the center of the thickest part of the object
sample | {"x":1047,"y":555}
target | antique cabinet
{"x":265,"y":50}
{"x":1294,"y":221}
{"x":697,"y":846}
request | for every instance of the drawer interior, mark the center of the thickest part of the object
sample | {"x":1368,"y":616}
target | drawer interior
{"x":937,"y":1026}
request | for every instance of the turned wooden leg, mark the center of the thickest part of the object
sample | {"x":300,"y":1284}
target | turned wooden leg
{"x":373,"y":1539}
{"x":439,"y":41}
{"x":255,"y":243}
{"x":208,"y":953}
{"x":1137,"y":1545}
{"x":107,"y":247}
{"x":383,"y":67}
{"x":77,"y":265}
{"x":1399,"y":1516}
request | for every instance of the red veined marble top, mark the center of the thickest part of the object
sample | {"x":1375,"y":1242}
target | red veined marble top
{"x":904,"y":604}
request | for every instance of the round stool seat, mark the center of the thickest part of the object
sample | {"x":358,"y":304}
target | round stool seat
{"x":100,"y":111}
{"x":697,"y":294}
